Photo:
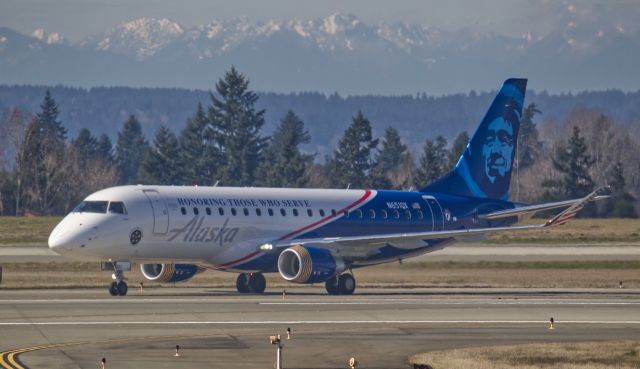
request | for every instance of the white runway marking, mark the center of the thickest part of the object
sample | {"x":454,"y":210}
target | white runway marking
{"x":214,"y":300}
{"x":270,"y":322}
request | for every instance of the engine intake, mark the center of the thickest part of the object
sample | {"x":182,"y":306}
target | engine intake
{"x":164,"y":273}
{"x":308,"y":264}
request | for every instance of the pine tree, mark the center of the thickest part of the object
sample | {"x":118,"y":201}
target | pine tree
{"x":390,"y":162}
{"x":239,"y":123}
{"x":162,"y":164}
{"x":352,"y":160}
{"x":621,"y":204}
{"x":54,"y":133}
{"x":457,"y":148}
{"x":85,"y":146}
{"x":130,"y":150}
{"x":528,"y":143}
{"x":105,"y":149}
{"x":200,"y":149}
{"x":283,"y":164}
{"x":433,"y":162}
{"x":572,"y":162}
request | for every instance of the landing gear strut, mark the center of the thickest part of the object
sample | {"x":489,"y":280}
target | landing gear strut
{"x":251,"y":283}
{"x":118,"y":287}
{"x":343,"y":284}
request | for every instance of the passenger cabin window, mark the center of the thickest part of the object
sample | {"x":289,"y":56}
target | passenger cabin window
{"x":233,"y":211}
{"x":221,"y":211}
{"x":117,"y":207}
{"x":358,"y":213}
{"x":372,"y":214}
{"x":183,"y":211}
{"x":270,"y":211}
{"x":195,"y":211}
{"x":383,"y":214}
{"x":283,"y":212}
{"x":245,"y":211}
{"x":407,"y":214}
{"x":91,"y":207}
{"x":258,"y":212}
{"x":419,"y":214}
{"x":333,"y":212}
{"x":295,"y":212}
{"x":396,"y":214}
{"x":321,"y":212}
{"x":208,"y":211}
{"x":310,"y":212}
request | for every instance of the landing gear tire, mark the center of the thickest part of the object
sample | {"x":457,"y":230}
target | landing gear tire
{"x":346,"y":284}
{"x":257,"y":283}
{"x":332,"y":286}
{"x":242,"y":283}
{"x":113,"y":289}
{"x":122,"y":288}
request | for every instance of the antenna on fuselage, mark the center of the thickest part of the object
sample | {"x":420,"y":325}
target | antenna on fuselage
{"x":348,"y":186}
{"x":216,"y":184}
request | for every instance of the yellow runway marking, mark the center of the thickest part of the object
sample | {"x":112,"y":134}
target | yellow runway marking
{"x":10,"y":359}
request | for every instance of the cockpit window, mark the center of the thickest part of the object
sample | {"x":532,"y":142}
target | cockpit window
{"x":91,"y":207}
{"x":116,"y":207}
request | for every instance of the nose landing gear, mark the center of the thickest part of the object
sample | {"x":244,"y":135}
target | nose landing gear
{"x":118,"y":287}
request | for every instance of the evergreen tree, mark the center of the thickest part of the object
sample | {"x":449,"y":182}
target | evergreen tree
{"x":162,"y":164}
{"x":390,"y":162}
{"x":528,"y":143}
{"x":85,"y":146}
{"x":130,"y":150}
{"x":41,"y":162}
{"x":283,"y":164}
{"x":105,"y":149}
{"x":200,"y":152}
{"x":457,"y":148}
{"x":572,"y":162}
{"x":54,"y":133}
{"x":234,"y":115}
{"x":433,"y":162}
{"x":352,"y":160}
{"x":621,"y":204}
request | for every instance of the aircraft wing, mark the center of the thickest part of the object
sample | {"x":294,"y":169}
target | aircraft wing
{"x":370,"y":241}
{"x":532,"y":209}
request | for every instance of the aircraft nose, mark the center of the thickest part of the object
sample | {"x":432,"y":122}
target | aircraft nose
{"x":60,"y":240}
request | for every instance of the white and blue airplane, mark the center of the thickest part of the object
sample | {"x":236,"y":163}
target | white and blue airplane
{"x":306,"y":235}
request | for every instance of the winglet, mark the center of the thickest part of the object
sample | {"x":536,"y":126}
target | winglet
{"x":572,"y":210}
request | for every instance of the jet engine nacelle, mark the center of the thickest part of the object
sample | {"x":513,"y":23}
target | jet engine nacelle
{"x":169,"y":272}
{"x":308,"y":264}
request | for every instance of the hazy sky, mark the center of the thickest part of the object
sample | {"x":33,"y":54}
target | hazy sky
{"x":76,"y":19}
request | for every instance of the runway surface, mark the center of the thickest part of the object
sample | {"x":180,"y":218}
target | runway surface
{"x":222,"y":329}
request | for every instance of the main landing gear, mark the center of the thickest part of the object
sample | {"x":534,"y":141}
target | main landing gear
{"x":118,"y":287}
{"x":344,"y":284}
{"x":251,"y":283}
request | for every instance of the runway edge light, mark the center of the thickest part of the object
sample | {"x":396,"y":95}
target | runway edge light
{"x":551,"y":321}
{"x":177,"y":351}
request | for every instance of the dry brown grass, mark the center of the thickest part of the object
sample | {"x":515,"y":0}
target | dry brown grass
{"x":73,"y":274}
{"x":576,"y":231}
{"x":584,"y":355}
{"x":26,"y":230}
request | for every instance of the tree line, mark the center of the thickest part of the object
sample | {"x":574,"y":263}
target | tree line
{"x":223,"y":143}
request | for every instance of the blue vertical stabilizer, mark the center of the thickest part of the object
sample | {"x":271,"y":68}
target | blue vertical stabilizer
{"x":484,"y":169}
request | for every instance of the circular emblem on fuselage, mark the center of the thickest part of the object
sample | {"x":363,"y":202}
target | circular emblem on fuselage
{"x":135,"y":236}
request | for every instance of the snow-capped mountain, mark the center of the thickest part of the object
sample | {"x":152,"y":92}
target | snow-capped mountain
{"x":335,"y":53}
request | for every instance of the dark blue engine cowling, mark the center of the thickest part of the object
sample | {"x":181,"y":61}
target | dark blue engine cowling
{"x":308,"y":264}
{"x":169,"y":272}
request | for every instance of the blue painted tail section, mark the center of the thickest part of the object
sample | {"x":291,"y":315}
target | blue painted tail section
{"x":484,"y":169}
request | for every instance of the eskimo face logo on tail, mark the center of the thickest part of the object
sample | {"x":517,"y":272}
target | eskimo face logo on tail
{"x":497,"y":151}
{"x":194,"y":231}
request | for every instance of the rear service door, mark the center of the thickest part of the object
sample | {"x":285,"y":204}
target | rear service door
{"x":160,"y":212}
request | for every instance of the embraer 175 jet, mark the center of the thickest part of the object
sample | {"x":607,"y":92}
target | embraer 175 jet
{"x":306,"y":235}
